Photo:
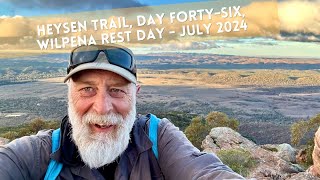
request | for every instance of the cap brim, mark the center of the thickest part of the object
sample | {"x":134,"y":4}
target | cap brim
{"x":103,"y":66}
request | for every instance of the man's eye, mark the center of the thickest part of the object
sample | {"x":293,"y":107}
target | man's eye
{"x":117,"y":93}
{"x":116,"y":90}
{"x":87,"y":91}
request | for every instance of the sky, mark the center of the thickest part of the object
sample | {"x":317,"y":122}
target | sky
{"x":299,"y":26}
{"x":46,"y":7}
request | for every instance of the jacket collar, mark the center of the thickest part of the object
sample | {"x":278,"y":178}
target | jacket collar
{"x":140,"y":137}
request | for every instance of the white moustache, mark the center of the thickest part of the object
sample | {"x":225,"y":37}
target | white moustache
{"x":102,"y":120}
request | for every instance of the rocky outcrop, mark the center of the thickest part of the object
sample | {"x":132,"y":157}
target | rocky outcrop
{"x":303,"y":176}
{"x":284,"y":151}
{"x":273,"y":162}
{"x":315,"y":168}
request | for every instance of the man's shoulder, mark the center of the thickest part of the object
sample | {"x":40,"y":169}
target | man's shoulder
{"x":144,"y":120}
{"x":42,"y":140}
{"x":26,"y":157}
{"x":41,"y":136}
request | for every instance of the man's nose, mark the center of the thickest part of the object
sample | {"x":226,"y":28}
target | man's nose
{"x":103,"y":104}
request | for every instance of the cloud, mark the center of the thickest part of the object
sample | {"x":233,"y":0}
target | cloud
{"x":186,"y":46}
{"x":299,"y":20}
{"x":249,"y":42}
{"x":19,"y":32}
{"x":74,"y":6}
{"x":302,"y":37}
{"x":13,"y":27}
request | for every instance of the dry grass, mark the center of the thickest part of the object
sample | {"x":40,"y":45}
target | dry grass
{"x":53,"y":80}
{"x":224,"y":78}
{"x":230,"y":78}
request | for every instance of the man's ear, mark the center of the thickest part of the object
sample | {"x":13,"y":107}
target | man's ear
{"x":138,"y":88}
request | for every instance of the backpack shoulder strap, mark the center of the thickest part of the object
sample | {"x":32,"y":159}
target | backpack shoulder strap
{"x":153,"y":133}
{"x":54,"y":167}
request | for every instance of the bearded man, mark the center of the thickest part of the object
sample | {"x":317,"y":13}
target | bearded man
{"x":102,"y":138}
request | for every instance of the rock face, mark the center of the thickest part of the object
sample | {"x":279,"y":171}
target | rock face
{"x":3,"y":141}
{"x":315,"y":168}
{"x":284,"y":151}
{"x":303,"y":176}
{"x":273,"y":162}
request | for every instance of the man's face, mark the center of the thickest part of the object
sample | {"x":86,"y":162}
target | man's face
{"x":101,"y":112}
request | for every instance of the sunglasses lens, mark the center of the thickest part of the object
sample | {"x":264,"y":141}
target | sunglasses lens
{"x":84,"y":54}
{"x":119,"y":57}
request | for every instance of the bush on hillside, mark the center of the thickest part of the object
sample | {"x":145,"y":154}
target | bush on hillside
{"x":299,"y":132}
{"x":178,"y":118}
{"x":200,"y":127}
{"x":29,"y":128}
{"x":238,"y":160}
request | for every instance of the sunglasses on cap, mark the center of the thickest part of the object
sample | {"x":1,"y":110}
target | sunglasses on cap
{"x":116,"y":55}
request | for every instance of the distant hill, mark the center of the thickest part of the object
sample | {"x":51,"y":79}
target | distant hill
{"x":212,"y":61}
{"x":54,"y":65}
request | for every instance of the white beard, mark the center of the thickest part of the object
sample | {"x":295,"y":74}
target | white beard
{"x":99,"y":149}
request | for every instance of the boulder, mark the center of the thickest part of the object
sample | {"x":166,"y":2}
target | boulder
{"x":269,"y":164}
{"x":225,"y":138}
{"x":284,"y":151}
{"x":287,"y":152}
{"x":303,"y":176}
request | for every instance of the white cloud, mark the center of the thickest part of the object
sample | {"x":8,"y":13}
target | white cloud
{"x":300,"y":18}
{"x":186,"y":46}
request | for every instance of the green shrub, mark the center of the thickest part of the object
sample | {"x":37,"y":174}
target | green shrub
{"x":197,"y":131}
{"x":200,"y":127}
{"x":309,"y":149}
{"x":300,"y":131}
{"x":24,"y":131}
{"x":301,"y":128}
{"x":27,"y":129}
{"x":238,"y":160}
{"x":10,"y":135}
{"x":220,"y":119}
{"x":36,"y":125}
{"x":178,"y":118}
{"x":52,"y":124}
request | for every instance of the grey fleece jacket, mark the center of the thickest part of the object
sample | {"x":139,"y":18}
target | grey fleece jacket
{"x":28,"y":158}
